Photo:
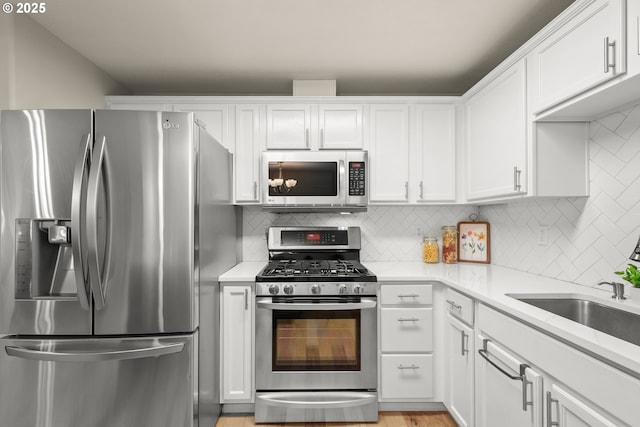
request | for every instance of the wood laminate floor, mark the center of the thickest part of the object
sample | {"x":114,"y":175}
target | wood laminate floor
{"x":385,"y":419}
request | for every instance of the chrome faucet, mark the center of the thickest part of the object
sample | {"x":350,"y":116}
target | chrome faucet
{"x":618,"y":290}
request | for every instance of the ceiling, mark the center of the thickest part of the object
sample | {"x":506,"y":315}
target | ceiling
{"x":257,"y":47}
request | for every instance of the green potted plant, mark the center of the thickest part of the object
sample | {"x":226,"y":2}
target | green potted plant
{"x":632,"y":275}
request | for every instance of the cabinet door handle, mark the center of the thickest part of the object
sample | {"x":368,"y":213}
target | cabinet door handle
{"x":408,"y":295}
{"x":525,"y":401}
{"x":463,"y":337}
{"x":322,"y":138}
{"x":408,"y":319}
{"x":454,"y":306}
{"x":516,"y":179}
{"x":551,"y":401}
{"x":406,"y":190}
{"x":421,"y":191}
{"x":412,"y":366}
{"x":306,"y":137}
{"x":607,"y":48}
{"x":255,"y":190}
{"x":246,"y":299}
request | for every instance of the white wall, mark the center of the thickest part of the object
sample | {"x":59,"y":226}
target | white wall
{"x":591,"y":237}
{"x":38,"y":70}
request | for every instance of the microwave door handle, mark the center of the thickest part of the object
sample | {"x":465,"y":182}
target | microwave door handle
{"x":341,"y":173}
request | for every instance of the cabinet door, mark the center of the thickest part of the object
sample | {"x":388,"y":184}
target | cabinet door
{"x":497,"y":137}
{"x":249,"y":145}
{"x":436,"y":151}
{"x":571,"y":411}
{"x":502,"y":399}
{"x":237,"y":344}
{"x":289,"y":127}
{"x":460,"y":371}
{"x":340,"y":126}
{"x":584,"y":52}
{"x":389,"y":153}
{"x":215,"y":118}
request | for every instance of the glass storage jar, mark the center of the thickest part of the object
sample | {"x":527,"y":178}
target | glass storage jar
{"x":449,"y":244}
{"x":430,"y":249}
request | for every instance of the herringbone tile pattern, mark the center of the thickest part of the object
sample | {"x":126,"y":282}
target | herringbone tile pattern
{"x":589,"y":238}
{"x":389,"y":233}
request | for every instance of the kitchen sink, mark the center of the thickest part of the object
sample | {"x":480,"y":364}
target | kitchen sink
{"x":621,"y":324}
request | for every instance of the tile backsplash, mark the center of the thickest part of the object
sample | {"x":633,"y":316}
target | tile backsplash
{"x":588,"y":238}
{"x":389,"y":233}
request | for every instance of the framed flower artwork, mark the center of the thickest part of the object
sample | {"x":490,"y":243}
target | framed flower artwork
{"x":474,"y":243}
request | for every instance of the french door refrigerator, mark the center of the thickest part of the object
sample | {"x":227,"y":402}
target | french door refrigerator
{"x":114,"y":228}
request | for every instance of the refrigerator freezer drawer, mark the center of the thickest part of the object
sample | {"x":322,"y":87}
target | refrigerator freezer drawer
{"x":102,"y":382}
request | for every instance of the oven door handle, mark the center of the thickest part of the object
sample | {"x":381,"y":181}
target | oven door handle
{"x":365,"y":303}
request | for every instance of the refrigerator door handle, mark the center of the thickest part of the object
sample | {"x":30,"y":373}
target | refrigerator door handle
{"x":93,"y":186}
{"x":77,"y":221}
{"x":88,"y":355}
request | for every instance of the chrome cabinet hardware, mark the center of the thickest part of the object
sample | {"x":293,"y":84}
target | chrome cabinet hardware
{"x":607,"y":48}
{"x":255,"y":190}
{"x":551,"y":401}
{"x":516,"y":179}
{"x":246,"y":299}
{"x":406,"y":190}
{"x":454,"y":306}
{"x":463,"y":349}
{"x":412,"y":366}
{"x":322,"y":138}
{"x":408,"y":319}
{"x":521,"y":376}
{"x":306,"y":137}
{"x":421,"y":190}
{"x":408,"y":295}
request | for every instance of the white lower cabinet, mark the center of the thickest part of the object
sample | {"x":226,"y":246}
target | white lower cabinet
{"x":406,"y":371}
{"x":236,"y":373}
{"x":567,"y":409}
{"x":459,"y":378}
{"x":560,"y":386}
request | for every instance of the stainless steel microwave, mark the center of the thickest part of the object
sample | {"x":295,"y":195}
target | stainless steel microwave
{"x":315,"y":180}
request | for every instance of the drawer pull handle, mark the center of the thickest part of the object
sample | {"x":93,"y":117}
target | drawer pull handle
{"x":464,"y":343}
{"x":412,"y":366}
{"x":408,"y":319}
{"x":454,"y":306}
{"x":408,"y":295}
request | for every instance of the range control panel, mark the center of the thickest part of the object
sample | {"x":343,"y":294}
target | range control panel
{"x":357,"y":180}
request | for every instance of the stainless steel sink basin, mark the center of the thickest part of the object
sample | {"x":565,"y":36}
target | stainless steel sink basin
{"x":610,"y":320}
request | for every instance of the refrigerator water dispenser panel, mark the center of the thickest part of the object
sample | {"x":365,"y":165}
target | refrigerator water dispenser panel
{"x":44,"y":260}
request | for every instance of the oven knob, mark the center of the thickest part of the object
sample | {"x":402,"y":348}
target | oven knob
{"x":315,"y":289}
{"x":274,"y":289}
{"x":342,"y":289}
{"x":288,"y":289}
{"x":357,"y":289}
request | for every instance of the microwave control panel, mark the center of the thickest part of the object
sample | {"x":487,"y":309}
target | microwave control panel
{"x":357,"y":178}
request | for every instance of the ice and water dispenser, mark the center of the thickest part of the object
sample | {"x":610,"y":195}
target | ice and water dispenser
{"x":44,"y":259}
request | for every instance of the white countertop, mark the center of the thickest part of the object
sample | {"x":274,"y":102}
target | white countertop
{"x":489,"y":284}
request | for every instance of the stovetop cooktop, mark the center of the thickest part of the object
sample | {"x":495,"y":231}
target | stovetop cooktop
{"x":315,"y":270}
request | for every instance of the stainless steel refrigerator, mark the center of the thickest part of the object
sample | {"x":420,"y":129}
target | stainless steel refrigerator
{"x":114,"y":227}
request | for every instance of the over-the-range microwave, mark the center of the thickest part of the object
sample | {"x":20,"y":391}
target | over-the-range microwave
{"x":313,"y":181}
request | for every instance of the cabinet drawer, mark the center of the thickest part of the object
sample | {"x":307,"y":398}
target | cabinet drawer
{"x":406,"y":376}
{"x":406,"y":294}
{"x":460,"y":306}
{"x":406,"y":329}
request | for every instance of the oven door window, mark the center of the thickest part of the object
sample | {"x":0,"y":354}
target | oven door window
{"x":318,"y":340}
{"x":292,"y":179}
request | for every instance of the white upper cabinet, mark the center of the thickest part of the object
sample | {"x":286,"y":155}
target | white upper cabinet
{"x":389,"y":153}
{"x":584,"y":52}
{"x":289,"y":127}
{"x":340,"y":126}
{"x":215,"y":118}
{"x":436,"y":153}
{"x":496,"y":137}
{"x":249,"y":132}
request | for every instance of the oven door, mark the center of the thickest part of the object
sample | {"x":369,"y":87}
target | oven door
{"x":327,"y":343}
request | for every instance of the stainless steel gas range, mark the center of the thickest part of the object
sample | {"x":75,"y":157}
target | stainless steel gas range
{"x":316,"y":328}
